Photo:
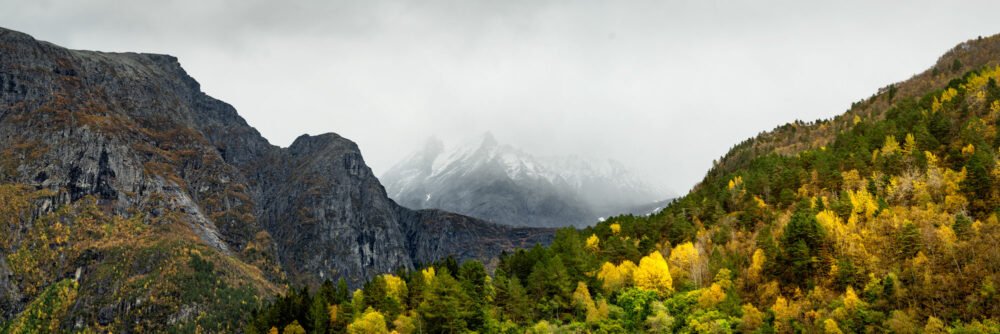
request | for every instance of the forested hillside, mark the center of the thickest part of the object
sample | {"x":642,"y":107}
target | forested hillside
{"x":883,"y":219}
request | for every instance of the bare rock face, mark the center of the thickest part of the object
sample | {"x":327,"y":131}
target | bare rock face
{"x":136,"y":132}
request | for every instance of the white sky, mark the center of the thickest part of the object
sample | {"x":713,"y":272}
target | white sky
{"x":665,"y":87}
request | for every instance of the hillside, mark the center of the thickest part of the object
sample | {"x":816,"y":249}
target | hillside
{"x":497,"y":182}
{"x":883,"y":219}
{"x":130,"y":201}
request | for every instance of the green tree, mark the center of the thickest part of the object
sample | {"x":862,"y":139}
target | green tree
{"x":636,"y":303}
{"x":801,"y":244}
{"x":445,"y":308}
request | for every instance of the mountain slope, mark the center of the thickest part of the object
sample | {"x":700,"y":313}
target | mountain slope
{"x":117,"y":169}
{"x":884,"y":219}
{"x":497,"y":182}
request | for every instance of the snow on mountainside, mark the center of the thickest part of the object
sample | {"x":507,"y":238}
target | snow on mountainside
{"x":498,"y":182}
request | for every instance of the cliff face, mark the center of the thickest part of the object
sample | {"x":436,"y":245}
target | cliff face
{"x":133,"y":134}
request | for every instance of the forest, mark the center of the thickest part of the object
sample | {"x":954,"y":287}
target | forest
{"x":883,"y":219}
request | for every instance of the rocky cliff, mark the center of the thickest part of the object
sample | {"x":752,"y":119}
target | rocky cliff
{"x":130,"y":139}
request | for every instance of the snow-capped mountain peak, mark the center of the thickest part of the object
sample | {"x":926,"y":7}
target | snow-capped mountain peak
{"x":481,"y":177}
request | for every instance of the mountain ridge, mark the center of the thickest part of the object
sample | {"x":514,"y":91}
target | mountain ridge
{"x":487,"y":179}
{"x":129,"y":139}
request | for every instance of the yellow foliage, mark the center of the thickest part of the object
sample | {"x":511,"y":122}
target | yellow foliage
{"x":712,"y":296}
{"x":683,"y":258}
{"x":756,"y":266}
{"x":581,"y":297}
{"x":334,"y":309}
{"x":752,"y":318}
{"x":724,"y":278}
{"x":760,"y":203}
{"x":946,"y":96}
{"x":863,"y":203}
{"x":404,"y":325}
{"x":910,"y":144}
{"x":616,"y":228}
{"x":542,"y":327}
{"x":852,"y":180}
{"x":654,"y":274}
{"x":616,"y":277}
{"x":830,"y":327}
{"x":891,"y":145}
{"x":294,"y":328}
{"x":851,"y":300}
{"x":857,"y":119}
{"x":946,"y":236}
{"x":600,"y":311}
{"x":395,"y":287}
{"x":593,"y":243}
{"x":274,"y":330}
{"x":968,"y":149}
{"x":831,"y":223}
{"x":369,"y":323}
{"x":783,"y":312}
{"x":428,"y":275}
{"x":995,"y":106}
{"x":735,"y":182}
{"x":935,"y":326}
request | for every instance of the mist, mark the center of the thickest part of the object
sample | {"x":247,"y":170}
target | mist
{"x":664,"y":87}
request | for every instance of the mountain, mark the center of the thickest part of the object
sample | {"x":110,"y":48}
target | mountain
{"x":132,"y":201}
{"x":497,"y":182}
{"x":884,"y":219}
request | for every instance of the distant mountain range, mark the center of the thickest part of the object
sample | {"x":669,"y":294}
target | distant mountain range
{"x":490,"y":180}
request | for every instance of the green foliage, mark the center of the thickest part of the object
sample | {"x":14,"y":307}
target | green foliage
{"x":897,"y":199}
{"x":45,"y":314}
{"x":446,"y":306}
{"x":637,"y":304}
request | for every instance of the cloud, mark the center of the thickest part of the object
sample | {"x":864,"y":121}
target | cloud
{"x":665,"y":87}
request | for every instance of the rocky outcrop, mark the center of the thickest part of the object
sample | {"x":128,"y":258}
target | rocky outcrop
{"x":135,"y":132}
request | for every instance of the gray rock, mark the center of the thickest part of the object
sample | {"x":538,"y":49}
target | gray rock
{"x":136,"y":132}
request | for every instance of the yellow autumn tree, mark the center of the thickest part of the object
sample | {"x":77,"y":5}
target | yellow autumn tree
{"x":294,"y":328}
{"x":334,"y":310}
{"x":616,"y":228}
{"x":600,"y":311}
{"x":616,"y":277}
{"x":654,"y":274}
{"x":756,"y":266}
{"x":369,"y":323}
{"x":583,"y":302}
{"x":593,"y":243}
{"x":910,"y":144}
{"x":851,"y":300}
{"x":428,"y":275}
{"x":682,"y":261}
{"x":581,"y":296}
{"x":784,"y":312}
{"x":752,"y":318}
{"x":935,"y":326}
{"x":891,"y":145}
{"x":404,"y":324}
{"x":830,"y":327}
{"x":395,"y":287}
{"x":712,"y":296}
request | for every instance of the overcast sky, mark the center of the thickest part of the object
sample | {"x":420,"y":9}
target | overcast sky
{"x":663,"y":86}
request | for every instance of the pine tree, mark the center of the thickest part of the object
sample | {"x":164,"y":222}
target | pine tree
{"x":445,"y":308}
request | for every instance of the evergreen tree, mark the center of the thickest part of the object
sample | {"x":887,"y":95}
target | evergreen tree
{"x":446,"y":307}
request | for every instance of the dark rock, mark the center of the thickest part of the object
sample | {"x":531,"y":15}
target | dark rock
{"x":135,"y":132}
